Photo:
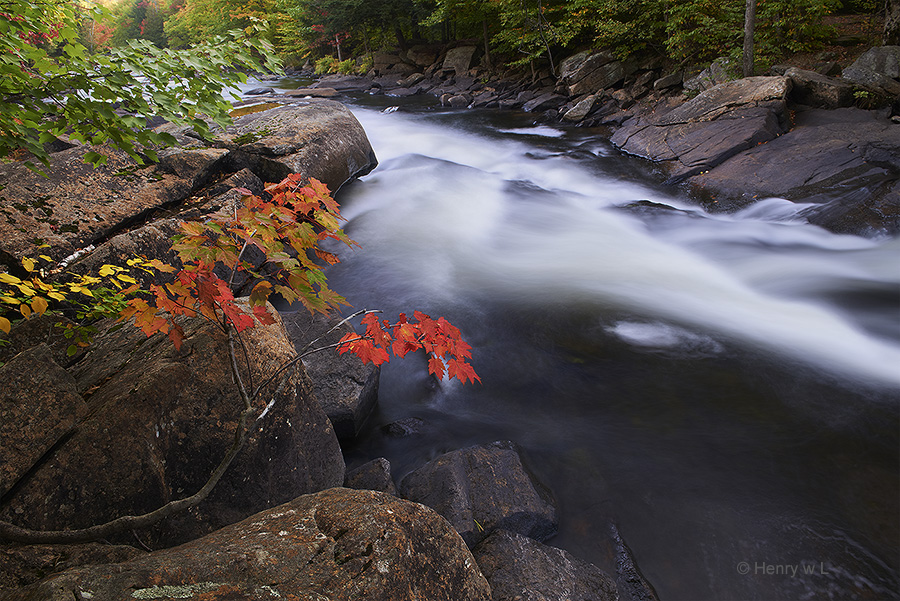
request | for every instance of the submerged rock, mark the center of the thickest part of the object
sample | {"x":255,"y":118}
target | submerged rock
{"x":481,"y":489}
{"x":519,"y":568}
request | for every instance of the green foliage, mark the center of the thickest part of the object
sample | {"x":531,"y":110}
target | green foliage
{"x":347,"y":67}
{"x":326,"y":64}
{"x":50,"y":85}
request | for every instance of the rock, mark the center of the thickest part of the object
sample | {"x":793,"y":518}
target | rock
{"x":40,"y":405}
{"x":669,"y":81}
{"x":319,"y":138}
{"x":481,"y":489}
{"x":848,"y":165}
{"x":374,"y":475}
{"x":383,"y":61}
{"x":314,"y":92}
{"x":159,"y":421}
{"x":406,"y":427}
{"x":630,"y":581}
{"x":343,"y":83}
{"x":338,"y":544}
{"x":78,"y":205}
{"x":719,"y":72}
{"x":719,"y":123}
{"x":545,"y":101}
{"x":347,"y":390}
{"x":44,"y":329}
{"x":884,"y":60}
{"x":459,"y":60}
{"x":521,"y":569}
{"x":829,"y":69}
{"x":890,"y":88}
{"x":412,"y":80}
{"x":458,"y":101}
{"x":596,"y":72}
{"x":812,"y":89}
{"x":259,"y":91}
{"x":580,"y":110}
{"x":422,"y":56}
{"x":569,"y":66}
{"x":21,"y":565}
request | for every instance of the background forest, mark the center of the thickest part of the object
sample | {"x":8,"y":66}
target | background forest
{"x":513,"y":32}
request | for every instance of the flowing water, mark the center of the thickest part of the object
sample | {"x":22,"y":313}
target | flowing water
{"x":725,"y":388}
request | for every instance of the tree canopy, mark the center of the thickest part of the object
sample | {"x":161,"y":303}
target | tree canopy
{"x":55,"y":80}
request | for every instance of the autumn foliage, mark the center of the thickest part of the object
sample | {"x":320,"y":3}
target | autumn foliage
{"x":271,"y":240}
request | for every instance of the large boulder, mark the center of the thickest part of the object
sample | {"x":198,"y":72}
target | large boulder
{"x":590,"y":73}
{"x":338,"y":544}
{"x":21,"y":565}
{"x":158,"y":422}
{"x":845,"y":161}
{"x":481,"y":489}
{"x":812,"y":89}
{"x":707,"y":130}
{"x":317,"y":138}
{"x":40,"y":405}
{"x":459,"y":60}
{"x":519,"y":568}
{"x":346,"y":389}
{"x":75,"y":204}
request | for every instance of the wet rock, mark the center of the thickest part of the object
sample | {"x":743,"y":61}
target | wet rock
{"x":519,"y":568}
{"x":259,"y":91}
{"x":630,"y":581}
{"x":580,"y":110}
{"x":344,"y":83}
{"x":481,"y":489}
{"x":545,"y":101}
{"x":318,"y":138}
{"x":159,"y":420}
{"x":374,"y":475}
{"x":848,"y":166}
{"x":346,"y":389}
{"x":338,"y":544}
{"x":408,"y":426}
{"x":40,"y":405}
{"x":668,"y":81}
{"x":459,"y":60}
{"x":812,"y":89}
{"x":702,"y":133}
{"x":315,"y":92}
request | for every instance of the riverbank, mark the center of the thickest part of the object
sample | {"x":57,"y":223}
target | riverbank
{"x":807,"y":136}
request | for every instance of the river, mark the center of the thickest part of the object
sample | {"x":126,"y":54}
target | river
{"x":725,"y":388}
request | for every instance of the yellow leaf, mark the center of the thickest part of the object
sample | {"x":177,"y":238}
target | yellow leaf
{"x":46,"y":258}
{"x":25,"y":310}
{"x":4,"y":324}
{"x":126,"y":278}
{"x":108,"y":270}
{"x":9,"y":300}
{"x":39,"y":305}
{"x":28,"y":264}
{"x":9,"y":279}
{"x":26,"y":289}
{"x":56,"y":296}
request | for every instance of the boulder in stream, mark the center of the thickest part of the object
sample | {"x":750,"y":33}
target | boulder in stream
{"x":481,"y":489}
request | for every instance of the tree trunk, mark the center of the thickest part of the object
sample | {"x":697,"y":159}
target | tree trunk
{"x":487,"y":47}
{"x":749,"y":28}
{"x":891,"y":23}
